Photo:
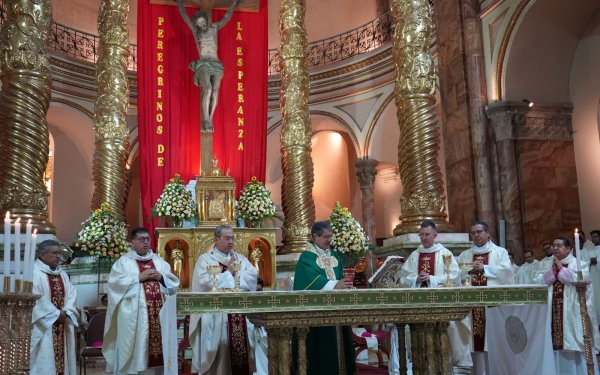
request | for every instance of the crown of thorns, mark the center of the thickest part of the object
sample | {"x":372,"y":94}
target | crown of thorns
{"x":199,"y":14}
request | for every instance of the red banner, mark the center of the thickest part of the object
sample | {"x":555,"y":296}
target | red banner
{"x":169,"y":102}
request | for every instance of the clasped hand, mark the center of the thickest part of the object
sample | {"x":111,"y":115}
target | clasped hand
{"x":557,"y":265}
{"x":478,"y":266}
{"x":423,"y":277}
{"x":61,"y":317}
{"x":150,"y":275}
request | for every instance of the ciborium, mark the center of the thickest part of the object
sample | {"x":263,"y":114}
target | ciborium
{"x":447,"y":263}
{"x":214,"y":270}
{"x":466,"y":267}
{"x":236,"y":267}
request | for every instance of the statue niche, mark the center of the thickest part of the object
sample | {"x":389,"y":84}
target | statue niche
{"x":259,"y":254}
{"x":177,"y":252}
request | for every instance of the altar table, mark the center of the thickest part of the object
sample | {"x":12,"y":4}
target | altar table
{"x":429,"y":312}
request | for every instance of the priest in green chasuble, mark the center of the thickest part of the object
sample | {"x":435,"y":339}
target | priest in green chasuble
{"x":132,"y":331}
{"x":54,"y":317}
{"x":329,"y":350}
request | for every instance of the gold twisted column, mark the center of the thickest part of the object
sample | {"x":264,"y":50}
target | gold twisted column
{"x":109,"y":169}
{"x":581,"y":287}
{"x":24,"y":102}
{"x":423,"y":196}
{"x":296,"y":162}
{"x":401,"y":328}
{"x":273,"y":340}
{"x":284,"y":350}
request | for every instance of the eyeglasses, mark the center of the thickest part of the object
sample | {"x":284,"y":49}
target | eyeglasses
{"x":228,"y":239}
{"x":557,"y":246}
{"x":477,"y":233}
{"x":143,"y":239}
{"x":426,"y":235}
{"x":327,"y":237}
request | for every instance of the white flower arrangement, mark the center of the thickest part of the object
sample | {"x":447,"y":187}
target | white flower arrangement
{"x":349,"y":239}
{"x":103,"y":234}
{"x":254,"y":203}
{"x":175,"y":203}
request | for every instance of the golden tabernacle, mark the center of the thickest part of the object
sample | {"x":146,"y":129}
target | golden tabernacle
{"x":215,"y":197}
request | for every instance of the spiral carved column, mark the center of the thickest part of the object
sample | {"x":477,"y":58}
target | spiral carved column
{"x":296,"y":162}
{"x":24,"y":102}
{"x":423,"y":196}
{"x":109,"y":167}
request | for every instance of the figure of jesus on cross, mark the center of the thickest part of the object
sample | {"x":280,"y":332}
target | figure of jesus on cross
{"x":208,"y":69}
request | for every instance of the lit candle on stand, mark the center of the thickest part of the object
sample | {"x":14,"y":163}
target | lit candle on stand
{"x":18,"y":249}
{"x":577,"y":251}
{"x":26,"y":258}
{"x":32,"y":253}
{"x":7,"y":245}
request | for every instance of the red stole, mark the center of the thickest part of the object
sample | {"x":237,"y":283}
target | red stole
{"x":558,"y":298}
{"x":154,"y":303}
{"x":426,"y":265}
{"x":479,"y":312}
{"x":237,"y":330}
{"x":57,"y":297}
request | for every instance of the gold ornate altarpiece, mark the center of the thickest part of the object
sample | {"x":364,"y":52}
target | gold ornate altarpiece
{"x":196,"y":241}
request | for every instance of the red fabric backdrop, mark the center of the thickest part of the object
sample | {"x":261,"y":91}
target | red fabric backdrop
{"x":169,"y":103}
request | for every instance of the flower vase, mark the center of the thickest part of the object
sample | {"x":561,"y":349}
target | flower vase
{"x":349,"y":274}
{"x":255,"y":223}
{"x":176,"y":223}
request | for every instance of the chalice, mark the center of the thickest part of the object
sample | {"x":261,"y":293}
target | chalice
{"x":447,"y":263}
{"x":214,"y":270}
{"x":236,"y":267}
{"x":466,"y":267}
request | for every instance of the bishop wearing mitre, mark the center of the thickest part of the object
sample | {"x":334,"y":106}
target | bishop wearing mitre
{"x":220,"y":341}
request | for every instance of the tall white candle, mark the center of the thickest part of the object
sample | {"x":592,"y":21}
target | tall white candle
{"x":18,"y":249}
{"x":7,"y":244}
{"x":26,"y":258}
{"x":32,"y":253}
{"x":577,"y":251}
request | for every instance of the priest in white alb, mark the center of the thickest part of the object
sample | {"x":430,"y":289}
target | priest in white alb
{"x":546,"y":263}
{"x":528,"y":271}
{"x":137,"y":285}
{"x":567,"y":328}
{"x":54,"y":317}
{"x":425,"y":268}
{"x":220,"y":341}
{"x":491,"y":266}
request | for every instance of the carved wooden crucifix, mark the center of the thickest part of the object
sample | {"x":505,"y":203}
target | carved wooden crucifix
{"x":208,"y":5}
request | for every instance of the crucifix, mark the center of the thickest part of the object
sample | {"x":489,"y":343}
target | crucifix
{"x":208,"y":69}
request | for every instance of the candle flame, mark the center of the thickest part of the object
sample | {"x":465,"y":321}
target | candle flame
{"x":29,"y":221}
{"x":35,"y":231}
{"x":18,"y":221}
{"x":8,"y":214}
{"x":576,"y":230}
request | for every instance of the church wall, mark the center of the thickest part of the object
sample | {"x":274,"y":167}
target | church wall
{"x":549,"y":188}
{"x":584,"y":85}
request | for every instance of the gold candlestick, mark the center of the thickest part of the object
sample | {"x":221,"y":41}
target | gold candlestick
{"x":581,"y":287}
{"x":214,"y":270}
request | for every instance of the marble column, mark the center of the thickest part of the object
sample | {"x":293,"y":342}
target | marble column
{"x":503,"y":124}
{"x":477,"y":95}
{"x":365,"y":170}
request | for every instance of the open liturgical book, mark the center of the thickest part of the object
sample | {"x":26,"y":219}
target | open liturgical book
{"x":388,"y":275}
